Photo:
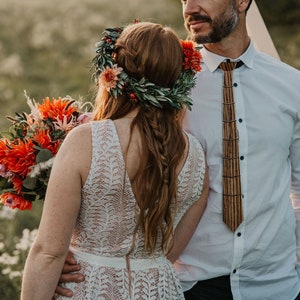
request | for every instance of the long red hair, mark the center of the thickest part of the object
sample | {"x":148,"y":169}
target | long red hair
{"x":154,"y":52}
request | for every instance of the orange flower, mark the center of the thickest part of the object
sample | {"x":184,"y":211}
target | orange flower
{"x":56,"y":108}
{"x":42,"y":137}
{"x":20,"y":157}
{"x":15,"y":201}
{"x":109,"y":77}
{"x":24,"y":156}
{"x":17,"y":183}
{"x":3,"y":148}
{"x":192,"y":57}
{"x":3,"y":152}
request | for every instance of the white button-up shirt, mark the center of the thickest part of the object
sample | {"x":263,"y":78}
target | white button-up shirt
{"x":261,"y":255}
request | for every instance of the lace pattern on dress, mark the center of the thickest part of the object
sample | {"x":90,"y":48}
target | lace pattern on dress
{"x":106,"y":223}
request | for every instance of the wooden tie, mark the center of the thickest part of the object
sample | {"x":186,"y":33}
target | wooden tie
{"x":232,"y":194}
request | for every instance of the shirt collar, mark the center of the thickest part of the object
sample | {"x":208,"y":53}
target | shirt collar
{"x":213,"y":60}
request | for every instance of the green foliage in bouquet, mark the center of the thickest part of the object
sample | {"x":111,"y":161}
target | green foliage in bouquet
{"x":28,"y":148}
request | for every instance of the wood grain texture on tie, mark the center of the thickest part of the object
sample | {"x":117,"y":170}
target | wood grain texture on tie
{"x":231,"y":185}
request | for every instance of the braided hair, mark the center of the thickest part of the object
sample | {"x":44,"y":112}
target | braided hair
{"x":154,"y":52}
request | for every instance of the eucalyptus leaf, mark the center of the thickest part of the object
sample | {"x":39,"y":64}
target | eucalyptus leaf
{"x":43,"y":155}
{"x":9,"y":190}
{"x":33,"y":193}
{"x":150,"y":98}
{"x":30,"y":183}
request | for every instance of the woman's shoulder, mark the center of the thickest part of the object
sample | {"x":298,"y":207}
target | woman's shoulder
{"x":83,"y":131}
{"x":78,"y":139}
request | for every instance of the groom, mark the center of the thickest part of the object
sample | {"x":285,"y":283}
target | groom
{"x":260,"y":259}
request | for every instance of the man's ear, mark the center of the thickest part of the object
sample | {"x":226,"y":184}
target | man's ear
{"x":242,"y":5}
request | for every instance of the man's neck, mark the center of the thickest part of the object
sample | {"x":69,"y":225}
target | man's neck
{"x":232,"y":46}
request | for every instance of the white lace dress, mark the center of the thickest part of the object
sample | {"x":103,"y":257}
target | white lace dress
{"x":104,"y":229}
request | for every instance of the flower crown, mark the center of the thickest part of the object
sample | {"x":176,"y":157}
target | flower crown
{"x":117,"y":82}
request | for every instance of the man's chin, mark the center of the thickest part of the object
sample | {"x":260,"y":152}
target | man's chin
{"x":200,"y":39}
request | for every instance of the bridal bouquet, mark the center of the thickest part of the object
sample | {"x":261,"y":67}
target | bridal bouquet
{"x":28,"y":148}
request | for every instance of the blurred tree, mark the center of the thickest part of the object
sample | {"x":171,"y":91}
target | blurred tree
{"x":283,"y":21}
{"x":280,"y":12}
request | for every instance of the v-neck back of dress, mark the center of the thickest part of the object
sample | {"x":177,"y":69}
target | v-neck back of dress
{"x":106,"y":220}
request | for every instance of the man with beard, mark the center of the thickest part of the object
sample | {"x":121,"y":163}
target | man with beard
{"x":259,"y":257}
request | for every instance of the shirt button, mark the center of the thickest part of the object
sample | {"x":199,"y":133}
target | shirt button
{"x":239,"y":234}
{"x":235,"y":84}
{"x":242,"y":157}
{"x":234,"y":271}
{"x":240,"y":120}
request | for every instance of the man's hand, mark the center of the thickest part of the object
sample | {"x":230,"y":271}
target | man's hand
{"x":67,"y":275}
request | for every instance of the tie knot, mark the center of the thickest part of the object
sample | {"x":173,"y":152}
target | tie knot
{"x":228,"y":66}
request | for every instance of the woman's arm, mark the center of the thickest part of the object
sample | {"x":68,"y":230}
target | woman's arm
{"x":188,"y":223}
{"x":61,"y":207}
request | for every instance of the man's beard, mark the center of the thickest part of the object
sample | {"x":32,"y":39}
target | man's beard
{"x":221,"y":27}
